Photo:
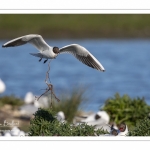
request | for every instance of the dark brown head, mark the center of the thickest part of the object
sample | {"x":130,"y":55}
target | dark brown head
{"x":122,"y":127}
{"x":56,"y":50}
{"x":97,"y":117}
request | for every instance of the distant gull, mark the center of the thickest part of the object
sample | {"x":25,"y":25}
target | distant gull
{"x":61,"y":117}
{"x":27,"y":110}
{"x":2,"y":86}
{"x":48,"y":52}
{"x":29,"y":98}
{"x":123,"y":128}
{"x":99,"y":120}
{"x":122,"y":131}
{"x":7,"y":134}
{"x":15,"y":131}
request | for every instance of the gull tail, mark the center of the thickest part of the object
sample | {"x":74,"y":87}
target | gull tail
{"x":37,"y":54}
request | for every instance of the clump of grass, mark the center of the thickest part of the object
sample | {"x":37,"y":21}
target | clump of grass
{"x":45,"y":124}
{"x":142,"y":128}
{"x":70,"y":103}
{"x":126,"y":109}
{"x":11,"y":100}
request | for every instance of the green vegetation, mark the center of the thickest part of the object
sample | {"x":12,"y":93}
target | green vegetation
{"x":75,"y":25}
{"x":71,"y":103}
{"x":11,"y":100}
{"x":45,"y":124}
{"x":133,"y":111}
{"x":126,"y":109}
{"x":121,"y":109}
{"x":142,"y":128}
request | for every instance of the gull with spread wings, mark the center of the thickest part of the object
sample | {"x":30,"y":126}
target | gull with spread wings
{"x":48,"y":52}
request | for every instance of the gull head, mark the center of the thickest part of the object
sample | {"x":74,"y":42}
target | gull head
{"x":56,"y":50}
{"x":122,"y":127}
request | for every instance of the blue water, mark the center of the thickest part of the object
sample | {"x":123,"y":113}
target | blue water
{"x":127,"y":64}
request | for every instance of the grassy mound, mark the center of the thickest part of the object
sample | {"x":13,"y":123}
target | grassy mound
{"x":44,"y":123}
{"x":126,"y":109}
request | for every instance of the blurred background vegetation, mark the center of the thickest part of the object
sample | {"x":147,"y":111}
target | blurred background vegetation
{"x":126,"y":109}
{"x":132,"y":111}
{"x":76,"y":25}
{"x":15,"y":102}
{"x":72,"y":103}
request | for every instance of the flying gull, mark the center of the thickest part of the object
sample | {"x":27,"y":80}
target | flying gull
{"x":48,"y":52}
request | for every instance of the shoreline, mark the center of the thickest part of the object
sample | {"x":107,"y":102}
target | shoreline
{"x":58,"y":26}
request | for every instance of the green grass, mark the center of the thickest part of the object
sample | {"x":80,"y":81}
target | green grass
{"x":71,"y":102}
{"x":126,"y":109}
{"x":133,"y":111}
{"x":75,"y":25}
{"x":45,"y":124}
{"x":11,"y":100}
{"x":142,"y":128}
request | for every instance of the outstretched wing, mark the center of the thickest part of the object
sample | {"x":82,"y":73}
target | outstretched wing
{"x":34,"y":39}
{"x":82,"y":55}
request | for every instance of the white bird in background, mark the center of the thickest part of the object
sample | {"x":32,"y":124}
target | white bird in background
{"x":101,"y":117}
{"x":122,"y":131}
{"x":48,"y":52}
{"x":2,"y":86}
{"x":123,"y":128}
{"x":99,"y":120}
{"x":22,"y":133}
{"x":7,"y":134}
{"x":61,"y":117}
{"x":15,"y":131}
{"x":28,"y":110}
{"x":29,"y":98}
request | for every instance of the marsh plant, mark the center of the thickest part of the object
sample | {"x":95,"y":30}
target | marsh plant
{"x":142,"y":128}
{"x":11,"y":100}
{"x":45,"y":123}
{"x":126,"y":109}
{"x":71,"y":103}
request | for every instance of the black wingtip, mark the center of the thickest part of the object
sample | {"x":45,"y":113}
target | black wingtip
{"x":3,"y":45}
{"x":102,"y":70}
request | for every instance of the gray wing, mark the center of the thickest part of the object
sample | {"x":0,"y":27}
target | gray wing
{"x":34,"y":39}
{"x":82,"y":55}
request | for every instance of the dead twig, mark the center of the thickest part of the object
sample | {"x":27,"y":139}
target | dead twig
{"x":49,"y":86}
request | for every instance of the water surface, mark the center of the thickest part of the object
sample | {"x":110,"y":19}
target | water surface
{"x":127,"y":65}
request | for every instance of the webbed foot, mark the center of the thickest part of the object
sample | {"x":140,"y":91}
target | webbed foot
{"x":45,"y":61}
{"x":40,"y":59}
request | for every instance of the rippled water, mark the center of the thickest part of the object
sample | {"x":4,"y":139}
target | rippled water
{"x":127,"y":64}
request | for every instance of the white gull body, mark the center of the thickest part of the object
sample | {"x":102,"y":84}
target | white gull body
{"x":99,"y":120}
{"x":61,"y":117}
{"x":7,"y":134}
{"x":48,"y":52}
{"x":15,"y":131}
{"x":2,"y":86}
{"x":29,"y":98}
